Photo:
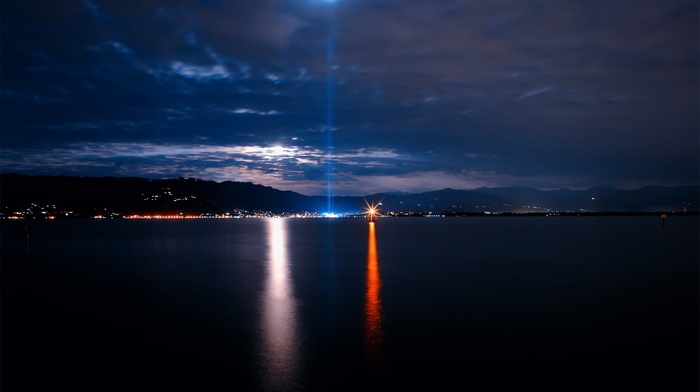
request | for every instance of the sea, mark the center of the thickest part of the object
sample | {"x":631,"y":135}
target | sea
{"x":288,"y":304}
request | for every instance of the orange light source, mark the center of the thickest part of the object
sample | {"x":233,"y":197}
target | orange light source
{"x":371,"y":212}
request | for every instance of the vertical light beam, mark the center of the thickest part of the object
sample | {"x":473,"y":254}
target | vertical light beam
{"x":330,"y":106}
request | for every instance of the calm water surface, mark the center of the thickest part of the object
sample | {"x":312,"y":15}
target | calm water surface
{"x":553,"y":303}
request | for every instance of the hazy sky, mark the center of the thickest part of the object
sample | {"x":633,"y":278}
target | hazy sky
{"x":427,"y":94}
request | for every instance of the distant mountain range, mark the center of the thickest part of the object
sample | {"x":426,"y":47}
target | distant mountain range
{"x":127,"y":195}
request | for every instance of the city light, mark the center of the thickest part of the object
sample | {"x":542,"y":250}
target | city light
{"x":372,"y":211}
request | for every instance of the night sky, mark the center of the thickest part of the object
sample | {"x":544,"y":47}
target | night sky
{"x":425,"y":94}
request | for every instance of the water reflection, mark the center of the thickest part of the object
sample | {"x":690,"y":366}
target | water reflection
{"x":373,"y":305}
{"x":279,"y":349}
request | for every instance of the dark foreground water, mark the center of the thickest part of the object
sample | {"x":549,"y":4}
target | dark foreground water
{"x":540,"y":303}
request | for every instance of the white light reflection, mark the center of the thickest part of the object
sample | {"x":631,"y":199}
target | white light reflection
{"x":280,"y":347}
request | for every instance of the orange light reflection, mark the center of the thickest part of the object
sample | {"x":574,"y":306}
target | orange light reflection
{"x":373,"y":305}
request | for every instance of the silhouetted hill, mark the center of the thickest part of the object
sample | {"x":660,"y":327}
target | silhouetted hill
{"x":91,"y":195}
{"x":446,"y":200}
{"x":652,"y":198}
{"x":127,"y":195}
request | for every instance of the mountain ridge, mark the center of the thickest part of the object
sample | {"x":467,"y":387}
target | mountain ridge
{"x":91,"y":195}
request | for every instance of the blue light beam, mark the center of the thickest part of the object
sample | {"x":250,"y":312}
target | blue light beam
{"x":330,"y":107}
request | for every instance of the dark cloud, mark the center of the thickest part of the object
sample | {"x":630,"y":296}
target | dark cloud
{"x":426,"y":94}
